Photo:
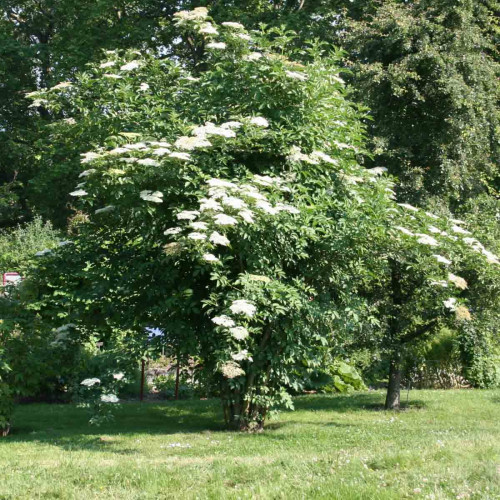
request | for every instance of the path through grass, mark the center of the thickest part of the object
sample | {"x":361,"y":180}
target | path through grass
{"x":446,"y":445}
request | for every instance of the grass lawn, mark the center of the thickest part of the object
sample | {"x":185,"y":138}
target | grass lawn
{"x":445,"y":445}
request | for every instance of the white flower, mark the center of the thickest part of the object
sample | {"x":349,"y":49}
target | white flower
{"x":104,"y":210}
{"x":247,"y":216}
{"x":64,"y":243}
{"x":188,"y":215}
{"x":459,"y":230}
{"x":209,"y":29}
{"x":220,"y":183}
{"x":296,"y":75}
{"x":62,"y":85}
{"x":118,"y":151}
{"x":266,"y":207}
{"x":112,"y":75}
{"x":265,"y":180}
{"x":210,"y":257}
{"x":88,"y":157}
{"x":377,"y":170}
{"x":172,"y":230}
{"x":231,"y":125}
{"x":137,"y":145}
{"x":160,"y":144}
{"x":225,"y":220}
{"x":130,"y":66}
{"x":457,"y":221}
{"x":223,"y":321}
{"x":109,"y":398}
{"x":190,"y":143}
{"x":107,"y":64}
{"x":90,"y":382}
{"x":425,"y":239}
{"x":434,"y":230}
{"x":69,"y":121}
{"x":324,"y":157}
{"x":192,"y":79}
{"x":442,"y":283}
{"x":87,"y":172}
{"x":180,"y":156}
{"x":233,"y":202}
{"x":161,"y":151}
{"x":197,"y":236}
{"x":243,"y":307}
{"x":201,"y":226}
{"x":192,"y":15}
{"x":143,"y":86}
{"x":239,"y":332}
{"x":118,"y":376}
{"x":451,"y":303}
{"x":431,"y":215}
{"x":148,"y":162}
{"x":41,"y":253}
{"x":457,"y":281}
{"x":211,"y":129}
{"x":442,"y":260}
{"x":216,"y":45}
{"x":244,"y":36}
{"x":404,"y":230}
{"x":156,"y":197}
{"x":236,"y":26}
{"x":253,"y":56}
{"x":231,"y":370}
{"x":242,"y":355}
{"x":219,"y":239}
{"x":408,"y":207}
{"x":287,"y":208}
{"x":79,"y":192}
{"x":210,"y":204}
{"x":259,"y":121}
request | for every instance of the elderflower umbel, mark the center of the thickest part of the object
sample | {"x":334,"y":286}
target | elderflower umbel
{"x":243,"y":307}
{"x":130,"y":66}
{"x":172,"y":231}
{"x":233,"y":202}
{"x":209,"y":204}
{"x":441,"y":259}
{"x":223,"y":321}
{"x":247,"y":216}
{"x":109,"y":398}
{"x":232,"y":370}
{"x":188,"y":215}
{"x":90,"y":382}
{"x":201,"y":226}
{"x":79,"y":192}
{"x":148,"y":162}
{"x":425,"y":239}
{"x":408,"y":207}
{"x":210,"y":257}
{"x":118,"y":376}
{"x":242,"y":355}
{"x":155,"y":197}
{"x":296,"y":75}
{"x":236,"y":26}
{"x":259,"y":121}
{"x":450,"y":303}
{"x":219,"y":239}
{"x":225,"y":220}
{"x":404,"y":230}
{"x":239,"y":332}
{"x":180,"y":156}
{"x":457,"y":281}
{"x":107,"y":64}
{"x":197,"y":236}
{"x":216,"y":45}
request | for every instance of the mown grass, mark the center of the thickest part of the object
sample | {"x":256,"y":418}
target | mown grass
{"x":446,"y":444}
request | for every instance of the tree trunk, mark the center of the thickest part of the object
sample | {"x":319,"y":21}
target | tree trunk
{"x":392,"y":400}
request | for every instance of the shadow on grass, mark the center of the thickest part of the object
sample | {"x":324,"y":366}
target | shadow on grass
{"x":67,"y":426}
{"x":342,"y":403}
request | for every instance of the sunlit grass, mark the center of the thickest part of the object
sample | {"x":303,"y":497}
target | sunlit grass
{"x":445,"y":445}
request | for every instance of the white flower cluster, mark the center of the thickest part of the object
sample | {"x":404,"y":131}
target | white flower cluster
{"x":109,"y":398}
{"x":90,"y":382}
